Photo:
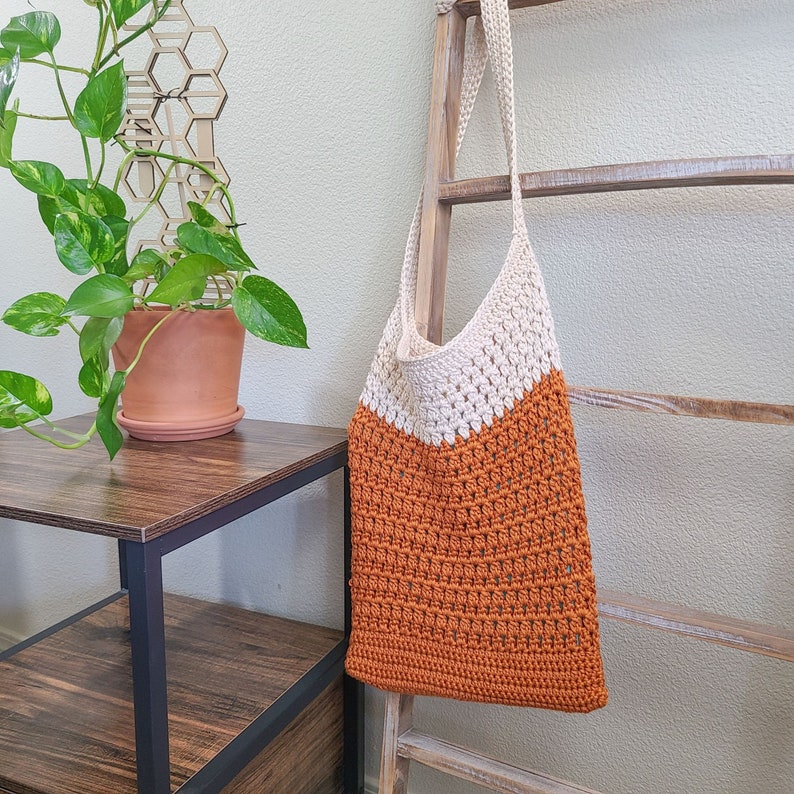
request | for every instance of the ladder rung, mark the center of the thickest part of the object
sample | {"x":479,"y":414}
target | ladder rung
{"x":702,"y":407}
{"x":475,"y":768}
{"x":744,"y":635}
{"x":470,"y":8}
{"x":757,"y":169}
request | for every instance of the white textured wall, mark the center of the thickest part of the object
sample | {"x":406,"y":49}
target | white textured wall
{"x":678,"y":291}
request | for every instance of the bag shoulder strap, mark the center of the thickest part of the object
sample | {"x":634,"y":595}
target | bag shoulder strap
{"x":490,"y":37}
{"x":495,"y":16}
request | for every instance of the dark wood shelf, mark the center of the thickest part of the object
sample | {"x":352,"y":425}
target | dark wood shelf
{"x":150,"y":488}
{"x":66,"y":714}
{"x":143,"y":694}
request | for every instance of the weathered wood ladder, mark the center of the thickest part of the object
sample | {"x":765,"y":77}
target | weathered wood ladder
{"x":402,"y":744}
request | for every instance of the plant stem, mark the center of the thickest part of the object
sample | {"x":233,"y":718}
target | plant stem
{"x":146,"y":339}
{"x":101,"y":166}
{"x":61,"y":430}
{"x":140,"y":31}
{"x":70,"y":116}
{"x":98,"y":49}
{"x":115,"y":34}
{"x":88,"y":173}
{"x":42,"y":118}
{"x":218,"y":288}
{"x":64,"y":101}
{"x":123,"y":164}
{"x":154,"y":199}
{"x":113,"y":29}
{"x":76,"y":445}
{"x":72,"y":326}
{"x":133,"y":152}
{"x":76,"y":69}
{"x":101,"y":40}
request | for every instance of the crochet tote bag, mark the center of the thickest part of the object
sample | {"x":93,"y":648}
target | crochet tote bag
{"x":471,"y":568}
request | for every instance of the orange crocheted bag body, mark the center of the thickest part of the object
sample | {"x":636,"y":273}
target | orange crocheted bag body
{"x":471,"y":570}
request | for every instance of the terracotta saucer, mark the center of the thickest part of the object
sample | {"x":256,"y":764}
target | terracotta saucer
{"x":180,"y":431}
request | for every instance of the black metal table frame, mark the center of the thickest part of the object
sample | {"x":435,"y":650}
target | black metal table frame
{"x":141,"y":571}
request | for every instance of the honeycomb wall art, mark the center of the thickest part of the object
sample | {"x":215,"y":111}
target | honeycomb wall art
{"x":175,"y":97}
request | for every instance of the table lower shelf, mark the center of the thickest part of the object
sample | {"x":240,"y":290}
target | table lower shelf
{"x":66,"y":716}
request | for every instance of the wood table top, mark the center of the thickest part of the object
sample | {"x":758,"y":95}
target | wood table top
{"x":151,"y":488}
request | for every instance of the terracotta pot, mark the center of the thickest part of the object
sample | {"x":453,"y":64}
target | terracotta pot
{"x":185,"y":386}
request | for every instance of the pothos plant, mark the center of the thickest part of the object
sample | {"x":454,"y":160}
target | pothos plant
{"x":91,"y":230}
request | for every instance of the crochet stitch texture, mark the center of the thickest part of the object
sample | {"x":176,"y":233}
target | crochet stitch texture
{"x":471,"y":569}
{"x":472,"y":574}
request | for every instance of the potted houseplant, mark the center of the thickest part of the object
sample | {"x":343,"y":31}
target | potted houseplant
{"x":92,"y":234}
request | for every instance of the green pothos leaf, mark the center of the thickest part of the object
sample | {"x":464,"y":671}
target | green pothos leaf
{"x":99,"y":108}
{"x":106,"y":422}
{"x":186,"y":280}
{"x":268,"y":312}
{"x":9,"y":72}
{"x":38,"y":314}
{"x":76,"y":196}
{"x":50,"y":207}
{"x":7,"y":129}
{"x":98,"y":336}
{"x":101,"y":199}
{"x":83,"y":242}
{"x":144,"y":264}
{"x":92,"y":377}
{"x":31,"y":34}
{"x":37,"y":176}
{"x":204,"y":218}
{"x":22,"y":399}
{"x":119,"y":227}
{"x":124,"y":10}
{"x":224,"y":247}
{"x":104,"y":295}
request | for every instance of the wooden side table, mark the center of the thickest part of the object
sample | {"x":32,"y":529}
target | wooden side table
{"x":229,"y":679}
